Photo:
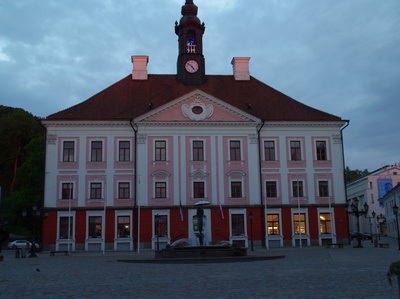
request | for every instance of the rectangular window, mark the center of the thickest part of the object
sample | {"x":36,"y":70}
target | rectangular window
{"x":237,"y":224}
{"x":295,"y":151}
{"x":236,"y":189}
{"x":95,"y":191}
{"x":63,"y":232}
{"x":97,"y":151}
{"x":269,"y":150}
{"x":123,"y":227}
{"x":161,"y":150}
{"x":161,"y":190}
{"x":234,"y":150}
{"x":297,"y":189}
{"x":124,"y":151}
{"x":123,"y":190}
{"x":271,"y":189}
{"x":325,"y":223}
{"x":321,"y":150}
{"x":273,"y":224}
{"x":323,"y":189}
{"x":160,"y":225}
{"x":299,"y":226}
{"x":198,"y":151}
{"x":94,"y":227}
{"x":68,"y":151}
{"x":198,"y":189}
{"x":67,"y":190}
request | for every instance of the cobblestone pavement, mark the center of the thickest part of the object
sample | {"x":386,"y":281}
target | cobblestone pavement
{"x":308,"y":272}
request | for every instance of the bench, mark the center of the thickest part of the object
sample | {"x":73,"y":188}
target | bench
{"x":52,"y":253}
{"x":383,"y":245}
{"x":334,"y":245}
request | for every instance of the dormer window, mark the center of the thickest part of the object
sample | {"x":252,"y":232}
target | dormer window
{"x":191,"y":41}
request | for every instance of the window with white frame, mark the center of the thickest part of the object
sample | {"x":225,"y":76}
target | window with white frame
{"x":160,"y":150}
{"x":124,"y":151}
{"x":63,"y":227}
{"x":95,"y":190}
{"x":235,"y":150}
{"x":198,"y":190}
{"x":95,"y":226}
{"x":123,"y":190}
{"x":67,"y":190}
{"x":321,"y":150}
{"x":160,"y":189}
{"x":323,"y":189}
{"x":123,"y":226}
{"x":297,"y":188}
{"x":96,"y":153}
{"x":273,"y":224}
{"x":325,"y":226}
{"x":68,"y":151}
{"x":198,"y":150}
{"x":161,"y":225}
{"x":295,"y":150}
{"x":237,"y":224}
{"x":271,"y":189}
{"x":236,"y":189}
{"x":299,"y":223}
{"x":269,"y":150}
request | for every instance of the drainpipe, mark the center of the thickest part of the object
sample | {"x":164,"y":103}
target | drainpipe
{"x":344,"y":177}
{"x":135,"y":130}
{"x":265,"y":239}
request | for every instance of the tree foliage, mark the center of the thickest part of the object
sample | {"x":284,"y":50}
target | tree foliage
{"x":351,"y":175}
{"x":21,"y":163}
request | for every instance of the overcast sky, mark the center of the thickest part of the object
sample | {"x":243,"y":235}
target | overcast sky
{"x":341,"y":56}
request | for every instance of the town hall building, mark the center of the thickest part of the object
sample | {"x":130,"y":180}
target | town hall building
{"x":129,"y":167}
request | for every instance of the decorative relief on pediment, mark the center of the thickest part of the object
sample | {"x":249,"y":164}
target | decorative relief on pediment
{"x":197,"y":110}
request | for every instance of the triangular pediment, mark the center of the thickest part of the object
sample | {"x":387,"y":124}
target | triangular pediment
{"x":197,"y":106}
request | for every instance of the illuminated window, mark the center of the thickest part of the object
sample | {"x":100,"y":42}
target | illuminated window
{"x":299,"y":224}
{"x":325,"y":223}
{"x":123,"y":226}
{"x":273,"y":224}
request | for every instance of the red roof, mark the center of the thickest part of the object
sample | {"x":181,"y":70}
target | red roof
{"x":128,"y":99}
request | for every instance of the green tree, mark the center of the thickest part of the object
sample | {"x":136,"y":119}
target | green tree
{"x":17,"y":129}
{"x":351,"y":175}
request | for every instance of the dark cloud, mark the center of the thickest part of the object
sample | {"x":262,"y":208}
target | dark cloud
{"x":340,"y":56}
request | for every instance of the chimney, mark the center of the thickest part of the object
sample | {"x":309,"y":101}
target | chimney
{"x":241,"y":68}
{"x":139,"y":70}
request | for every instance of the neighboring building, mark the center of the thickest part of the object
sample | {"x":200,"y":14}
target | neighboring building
{"x":126,"y":167}
{"x":371,"y":189}
{"x":390,"y":200}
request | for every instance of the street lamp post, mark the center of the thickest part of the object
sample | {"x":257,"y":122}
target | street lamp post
{"x":36,"y":215}
{"x":376,"y":230}
{"x":251,"y":230}
{"x":396,"y":212}
{"x":370,"y":227}
{"x":157,"y":233}
{"x":355,"y":211}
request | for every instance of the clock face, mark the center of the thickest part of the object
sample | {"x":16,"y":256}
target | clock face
{"x":191,"y":66}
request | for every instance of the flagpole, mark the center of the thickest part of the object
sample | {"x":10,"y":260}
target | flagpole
{"x":138,"y":238}
{"x":330,"y":209}
{"x":298,"y":206}
{"x":69,"y":214}
{"x":104,"y":227}
{"x":266,"y":224}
